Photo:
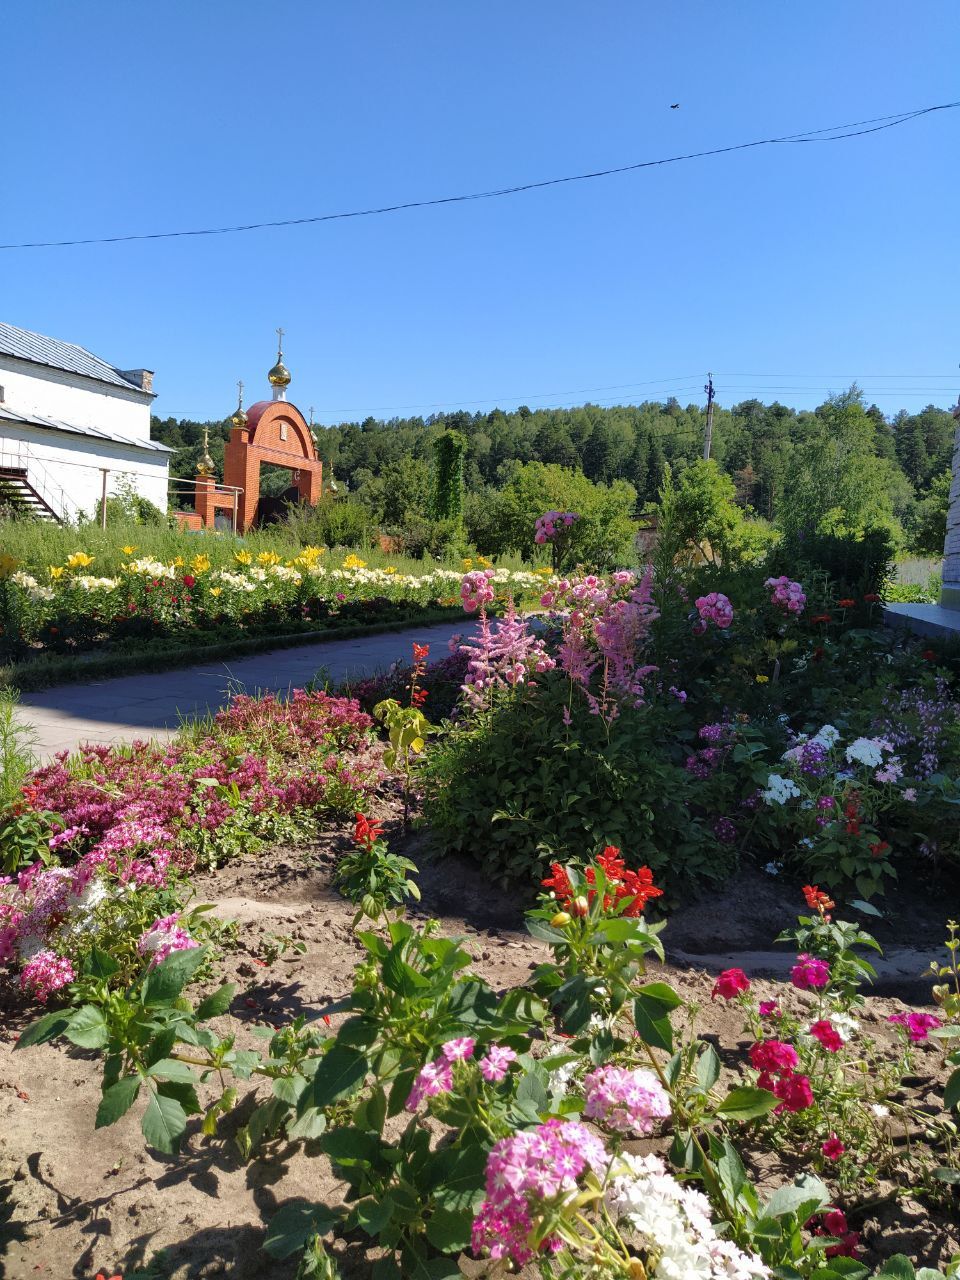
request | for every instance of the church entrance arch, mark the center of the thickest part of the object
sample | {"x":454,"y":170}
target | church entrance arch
{"x":275,"y":431}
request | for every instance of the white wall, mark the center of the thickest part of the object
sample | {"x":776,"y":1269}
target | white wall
{"x":73,"y":463}
{"x":68,"y":397}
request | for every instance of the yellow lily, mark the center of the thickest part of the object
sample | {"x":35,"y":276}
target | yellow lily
{"x":79,"y":560}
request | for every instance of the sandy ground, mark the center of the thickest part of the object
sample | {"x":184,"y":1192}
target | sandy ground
{"x":74,"y":1201}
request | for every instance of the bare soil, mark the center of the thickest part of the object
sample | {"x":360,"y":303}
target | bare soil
{"x":75,"y":1201}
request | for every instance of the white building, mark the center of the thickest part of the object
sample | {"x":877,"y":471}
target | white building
{"x":66,"y":417}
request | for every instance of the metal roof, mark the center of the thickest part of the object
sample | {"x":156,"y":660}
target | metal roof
{"x":52,"y":424}
{"x":55,"y":354}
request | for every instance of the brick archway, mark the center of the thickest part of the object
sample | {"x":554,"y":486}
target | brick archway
{"x":275,"y":431}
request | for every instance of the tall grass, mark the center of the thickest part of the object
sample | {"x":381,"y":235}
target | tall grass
{"x":36,"y":545}
{"x":17,"y":754}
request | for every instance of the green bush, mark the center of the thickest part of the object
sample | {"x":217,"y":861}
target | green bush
{"x":856,"y":565}
{"x":517,"y":788}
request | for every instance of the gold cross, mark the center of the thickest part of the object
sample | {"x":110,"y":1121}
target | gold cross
{"x":279,"y":345}
{"x":240,"y":395}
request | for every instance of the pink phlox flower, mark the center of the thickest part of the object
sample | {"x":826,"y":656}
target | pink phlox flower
{"x":730,"y":983}
{"x":917,"y":1025}
{"x":45,"y":973}
{"x":458,"y":1050}
{"x":496,"y":1062}
{"x":627,"y":1101}
{"x":432,"y":1079}
{"x":832,"y":1148}
{"x":809,"y":973}
{"x":827,"y":1034}
{"x":163,"y":938}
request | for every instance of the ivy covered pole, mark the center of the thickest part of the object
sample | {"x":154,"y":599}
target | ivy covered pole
{"x":449,"y":450}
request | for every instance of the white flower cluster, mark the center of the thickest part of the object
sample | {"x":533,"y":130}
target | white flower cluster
{"x":32,"y":586}
{"x":868,"y":751}
{"x":779,"y":789}
{"x":674,"y":1221}
{"x":90,"y":583}
{"x":150,"y":568}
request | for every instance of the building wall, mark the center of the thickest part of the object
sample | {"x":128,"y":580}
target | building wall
{"x":950,"y":594}
{"x":73,"y":463}
{"x":69,"y":397}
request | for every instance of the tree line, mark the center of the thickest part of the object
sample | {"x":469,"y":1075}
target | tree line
{"x":899,"y":464}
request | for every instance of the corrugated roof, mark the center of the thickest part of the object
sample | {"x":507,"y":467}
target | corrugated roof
{"x":55,"y":354}
{"x":51,"y":424}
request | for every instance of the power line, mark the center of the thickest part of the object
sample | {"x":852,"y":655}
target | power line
{"x":834,"y":133}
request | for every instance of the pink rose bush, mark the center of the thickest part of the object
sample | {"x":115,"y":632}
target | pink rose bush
{"x":550,"y":525}
{"x":714,"y":608}
{"x":786,"y":595}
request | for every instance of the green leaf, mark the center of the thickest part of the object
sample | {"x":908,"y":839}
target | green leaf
{"x":117,"y":1101}
{"x":747,"y":1103}
{"x":171,"y":1069}
{"x":100,"y":965}
{"x":455,"y":1177}
{"x":653,"y":1025}
{"x":46,"y":1028}
{"x":866,"y":908}
{"x":449,"y":1229}
{"x":373,"y":1214}
{"x":663,"y":994}
{"x":217,"y":1003}
{"x":87,"y":1028}
{"x":339,"y":1074}
{"x":164,"y":1121}
{"x":308,"y":1126}
{"x":164,"y":983}
{"x":708,"y":1067}
{"x":951,"y":1094}
{"x":898,"y":1268}
{"x":294,"y":1223}
{"x":398,"y":976}
{"x":806,"y":1195}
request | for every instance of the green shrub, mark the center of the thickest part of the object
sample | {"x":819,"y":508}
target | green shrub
{"x":856,"y":565}
{"x":517,"y":788}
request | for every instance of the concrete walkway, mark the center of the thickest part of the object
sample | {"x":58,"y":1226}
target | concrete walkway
{"x":153,"y":705}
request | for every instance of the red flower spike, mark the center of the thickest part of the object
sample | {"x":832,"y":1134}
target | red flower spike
{"x":367,"y":833}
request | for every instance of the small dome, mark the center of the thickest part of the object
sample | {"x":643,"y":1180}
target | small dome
{"x":238,"y":418}
{"x":279,"y":375}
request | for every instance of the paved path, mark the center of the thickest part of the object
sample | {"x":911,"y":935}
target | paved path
{"x":152,"y":705}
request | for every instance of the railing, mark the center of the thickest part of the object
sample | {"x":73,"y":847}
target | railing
{"x":15,"y":454}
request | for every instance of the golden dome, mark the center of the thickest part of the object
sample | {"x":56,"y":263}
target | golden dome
{"x":279,"y":375}
{"x":238,"y":418}
{"x":205,"y":466}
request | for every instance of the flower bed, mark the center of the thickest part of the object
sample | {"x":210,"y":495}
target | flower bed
{"x":130,"y":824}
{"x":70,"y":609}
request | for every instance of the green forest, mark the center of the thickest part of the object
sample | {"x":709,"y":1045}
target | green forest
{"x":841,"y":468}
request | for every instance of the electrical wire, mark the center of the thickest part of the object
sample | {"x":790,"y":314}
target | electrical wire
{"x":834,"y":133}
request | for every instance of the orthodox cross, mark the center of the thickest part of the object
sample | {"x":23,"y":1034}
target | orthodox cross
{"x":279,"y":344}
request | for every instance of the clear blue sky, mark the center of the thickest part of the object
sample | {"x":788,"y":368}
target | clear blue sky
{"x":822,"y":260}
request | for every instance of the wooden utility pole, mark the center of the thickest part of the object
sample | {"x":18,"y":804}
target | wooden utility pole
{"x":708,"y":437}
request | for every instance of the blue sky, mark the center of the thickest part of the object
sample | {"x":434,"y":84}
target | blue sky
{"x":785,"y":270}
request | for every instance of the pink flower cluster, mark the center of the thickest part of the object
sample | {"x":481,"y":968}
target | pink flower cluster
{"x":477,"y":590}
{"x":503,"y":656}
{"x":437,"y":1076}
{"x":627,"y":1101}
{"x":827,"y":1035}
{"x":917,"y":1025}
{"x":787,"y":595}
{"x":777,"y":1062}
{"x":730,"y":984}
{"x":163,"y":938}
{"x":551,"y":523}
{"x":605,"y":625}
{"x":523,"y":1172}
{"x":716,"y":608}
{"x":45,"y":973}
{"x":810,"y":973}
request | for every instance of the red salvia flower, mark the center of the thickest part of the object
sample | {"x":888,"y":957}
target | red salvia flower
{"x":817,"y":900}
{"x":367,"y":833}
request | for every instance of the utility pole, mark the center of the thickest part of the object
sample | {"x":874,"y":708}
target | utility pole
{"x":708,"y":438}
{"x":103,"y":499}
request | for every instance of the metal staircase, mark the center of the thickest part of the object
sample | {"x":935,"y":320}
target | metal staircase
{"x":27,"y":484}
